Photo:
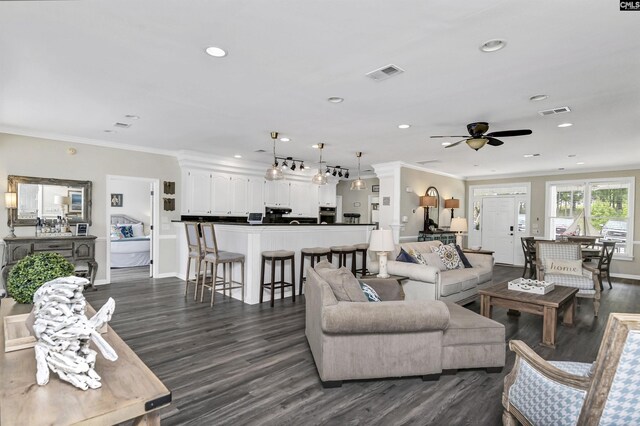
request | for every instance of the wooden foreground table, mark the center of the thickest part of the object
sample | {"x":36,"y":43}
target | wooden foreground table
{"x":129,"y":389}
{"x":547,"y":305}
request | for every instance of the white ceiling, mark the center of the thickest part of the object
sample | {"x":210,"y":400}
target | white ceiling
{"x":71,"y":69}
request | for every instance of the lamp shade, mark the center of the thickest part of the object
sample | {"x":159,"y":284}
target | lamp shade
{"x":274,"y":173}
{"x":358,"y":185}
{"x":458,"y":224}
{"x":451,"y":203}
{"x":381,"y":240}
{"x":428,"y":201}
{"x":11,"y":200}
{"x":60,"y":200}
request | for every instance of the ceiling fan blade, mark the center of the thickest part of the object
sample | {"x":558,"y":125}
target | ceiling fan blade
{"x":494,"y":142}
{"x":448,"y":136}
{"x":455,"y":143}
{"x":506,"y":133}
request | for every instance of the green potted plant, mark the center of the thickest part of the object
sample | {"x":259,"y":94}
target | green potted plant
{"x":33,"y":271}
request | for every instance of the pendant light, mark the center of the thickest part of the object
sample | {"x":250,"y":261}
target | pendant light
{"x":358,"y":184}
{"x":274,"y":172}
{"x":320,"y":178}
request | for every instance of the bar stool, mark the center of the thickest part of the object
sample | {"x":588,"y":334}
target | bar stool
{"x":362,"y":249}
{"x":272,"y":257}
{"x":342,"y":252}
{"x":195,"y":253}
{"x":315,"y":253}
{"x":214,"y":257}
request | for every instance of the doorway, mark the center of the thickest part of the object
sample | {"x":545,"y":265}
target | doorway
{"x":132,"y":238}
{"x":498,"y":227}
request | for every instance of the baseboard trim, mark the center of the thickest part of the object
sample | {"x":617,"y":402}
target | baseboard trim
{"x":627,"y":276}
{"x":167,"y":275}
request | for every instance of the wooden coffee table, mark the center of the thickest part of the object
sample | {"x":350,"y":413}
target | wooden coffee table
{"x":561,"y":298}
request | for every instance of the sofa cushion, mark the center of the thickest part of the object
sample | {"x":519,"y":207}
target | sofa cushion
{"x":386,"y":288}
{"x":344,"y":285}
{"x":468,"y":328}
{"x":449,"y":256}
{"x":421,"y":246}
{"x":369,"y":292}
{"x":457,"y":280}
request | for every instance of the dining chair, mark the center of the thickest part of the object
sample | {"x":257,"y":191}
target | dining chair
{"x":195,"y":253}
{"x":604,"y":261}
{"x":529,"y":250}
{"x":214,"y":257}
{"x":539,"y":392}
{"x":585,"y":279}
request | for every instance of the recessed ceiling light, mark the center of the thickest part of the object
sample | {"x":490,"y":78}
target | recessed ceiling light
{"x":580,"y":163}
{"x":237,"y":156}
{"x":565,"y":125}
{"x":285,"y":139}
{"x":536,"y":98}
{"x":531,"y":155}
{"x":404,"y":126}
{"x":446,"y":143}
{"x":216,"y":52}
{"x":132,"y":117}
{"x":493,"y":45}
{"x":335,"y":99}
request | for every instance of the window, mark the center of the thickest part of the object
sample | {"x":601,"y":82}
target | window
{"x":598,"y":207}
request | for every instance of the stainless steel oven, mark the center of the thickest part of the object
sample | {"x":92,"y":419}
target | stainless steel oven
{"x":327,"y":215}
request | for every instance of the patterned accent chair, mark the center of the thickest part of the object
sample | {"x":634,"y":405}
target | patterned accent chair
{"x":607,"y":392}
{"x":588,"y":284}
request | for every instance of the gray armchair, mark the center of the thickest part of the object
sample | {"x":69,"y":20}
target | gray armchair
{"x":587,"y":284}
{"x":607,"y":392}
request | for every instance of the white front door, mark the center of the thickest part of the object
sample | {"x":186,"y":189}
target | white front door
{"x":498,"y":227}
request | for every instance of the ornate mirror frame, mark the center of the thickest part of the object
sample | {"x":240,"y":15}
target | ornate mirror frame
{"x":432,"y":191}
{"x":85,"y":185}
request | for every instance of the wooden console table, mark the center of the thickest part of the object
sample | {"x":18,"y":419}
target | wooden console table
{"x":77,"y":250}
{"x":129,"y":389}
{"x":444,"y":236}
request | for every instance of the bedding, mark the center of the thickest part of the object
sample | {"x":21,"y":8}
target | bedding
{"x":130,"y":247}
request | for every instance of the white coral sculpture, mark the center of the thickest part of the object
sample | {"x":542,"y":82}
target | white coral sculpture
{"x":64,"y":333}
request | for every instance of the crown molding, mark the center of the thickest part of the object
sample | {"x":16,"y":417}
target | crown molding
{"x":554,"y":173}
{"x":382,"y":169}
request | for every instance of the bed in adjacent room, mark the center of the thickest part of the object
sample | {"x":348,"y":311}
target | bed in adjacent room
{"x":130,"y":246}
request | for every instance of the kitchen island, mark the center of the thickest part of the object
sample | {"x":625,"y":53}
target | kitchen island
{"x":252,"y":240}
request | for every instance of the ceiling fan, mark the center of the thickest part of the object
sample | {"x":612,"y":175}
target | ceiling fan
{"x":479,"y":139}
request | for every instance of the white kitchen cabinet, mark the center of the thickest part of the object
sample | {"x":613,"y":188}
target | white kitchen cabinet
{"x":198,"y":192}
{"x":239,"y":195}
{"x":277,"y":193}
{"x":255,"y":195}
{"x":327,"y":195}
{"x":221,"y":198}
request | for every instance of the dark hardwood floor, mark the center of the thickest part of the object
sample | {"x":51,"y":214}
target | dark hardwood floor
{"x":237,"y":364}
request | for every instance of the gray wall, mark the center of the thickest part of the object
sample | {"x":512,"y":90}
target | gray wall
{"x":28,"y":156}
{"x":538,"y":189}
{"x":417,"y":182}
{"x":350,"y":197}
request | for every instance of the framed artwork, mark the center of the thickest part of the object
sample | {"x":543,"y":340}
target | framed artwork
{"x":116,"y":200}
{"x":82,"y":229}
{"x":75,"y":201}
{"x":375,"y":188}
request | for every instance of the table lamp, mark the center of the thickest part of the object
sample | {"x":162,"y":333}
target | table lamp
{"x":427,"y":201}
{"x":382,"y":242}
{"x":61,"y":201}
{"x":458,"y":225}
{"x":11,"y":202}
{"x":451,"y":203}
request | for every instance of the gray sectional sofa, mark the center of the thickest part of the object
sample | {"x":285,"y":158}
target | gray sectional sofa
{"x":393,"y":338}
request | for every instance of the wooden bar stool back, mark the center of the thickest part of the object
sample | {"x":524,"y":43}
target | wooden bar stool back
{"x":362,"y":249}
{"x":195,"y":253}
{"x":272,"y":257}
{"x":214,"y":257}
{"x":342,"y":252}
{"x":315,"y":254}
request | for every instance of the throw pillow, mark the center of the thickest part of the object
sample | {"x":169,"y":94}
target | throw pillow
{"x":371,"y":294}
{"x":115,"y":233}
{"x":138,"y":228}
{"x":449,"y":256}
{"x":405,"y":257}
{"x":344,"y":285}
{"x":126,"y":231}
{"x":433,"y":259}
{"x":561,"y":266}
{"x":463,"y":258}
{"x":418,"y":257}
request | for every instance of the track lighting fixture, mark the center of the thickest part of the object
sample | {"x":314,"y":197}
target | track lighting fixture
{"x":335,"y":172}
{"x":293,"y":166}
{"x":346,"y":175}
{"x":340,"y":173}
{"x":284,"y":164}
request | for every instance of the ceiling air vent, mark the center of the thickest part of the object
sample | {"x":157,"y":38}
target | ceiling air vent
{"x":259,"y":150}
{"x":122,"y":125}
{"x":553,"y":111}
{"x":428,"y":162}
{"x":385,"y":72}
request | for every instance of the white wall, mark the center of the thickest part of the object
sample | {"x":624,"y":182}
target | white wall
{"x":349,"y":197}
{"x":135,"y":196}
{"x":28,"y":156}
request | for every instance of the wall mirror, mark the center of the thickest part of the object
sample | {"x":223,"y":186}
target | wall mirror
{"x":49,"y":198}
{"x":432,"y":191}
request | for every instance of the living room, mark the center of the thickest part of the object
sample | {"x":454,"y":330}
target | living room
{"x":91,"y":94}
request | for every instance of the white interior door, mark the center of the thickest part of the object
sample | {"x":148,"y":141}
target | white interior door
{"x":151,"y":227}
{"x":498,"y":227}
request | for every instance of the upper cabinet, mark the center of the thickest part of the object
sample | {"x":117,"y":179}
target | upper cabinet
{"x":304,"y":199}
{"x":327,"y":195}
{"x":277,"y":193}
{"x":198,"y":192}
